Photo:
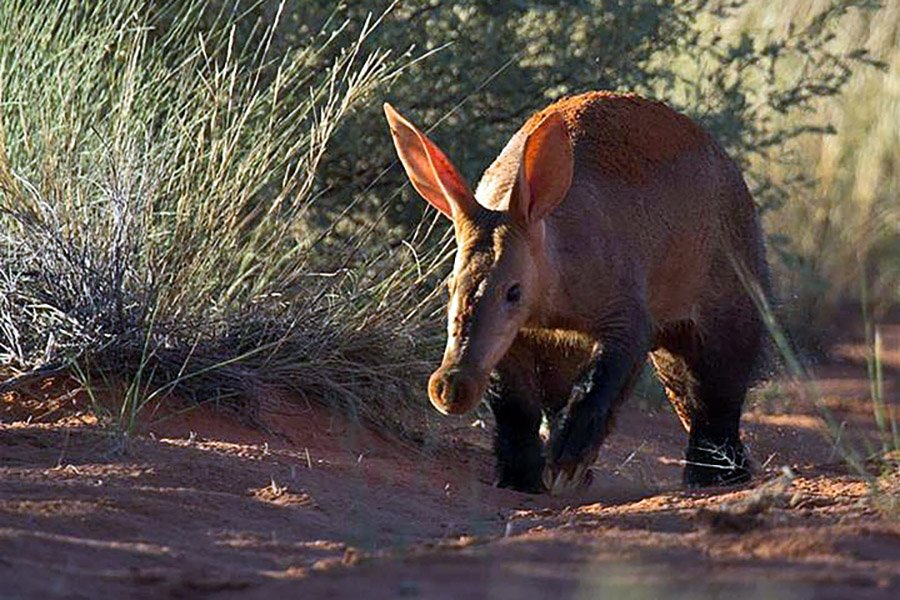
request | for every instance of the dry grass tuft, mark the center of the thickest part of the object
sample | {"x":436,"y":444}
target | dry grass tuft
{"x":155,"y":187}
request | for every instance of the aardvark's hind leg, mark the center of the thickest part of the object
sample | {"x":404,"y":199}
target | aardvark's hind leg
{"x":706,"y":378}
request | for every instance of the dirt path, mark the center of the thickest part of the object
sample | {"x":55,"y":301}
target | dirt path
{"x":318,"y":507}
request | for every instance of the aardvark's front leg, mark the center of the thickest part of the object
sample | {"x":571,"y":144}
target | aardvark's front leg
{"x":587,"y":419}
{"x":515,"y":401}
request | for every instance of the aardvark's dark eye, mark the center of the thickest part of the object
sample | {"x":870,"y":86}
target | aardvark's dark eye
{"x":514,"y":294}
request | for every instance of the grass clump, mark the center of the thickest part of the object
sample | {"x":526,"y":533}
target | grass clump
{"x":873,"y":458}
{"x":155,"y":181}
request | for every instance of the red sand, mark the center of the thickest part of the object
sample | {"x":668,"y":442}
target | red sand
{"x":319,"y":507}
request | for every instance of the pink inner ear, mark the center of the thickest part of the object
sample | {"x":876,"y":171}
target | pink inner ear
{"x":428,"y":168}
{"x":451,"y":182}
{"x":546,"y":170}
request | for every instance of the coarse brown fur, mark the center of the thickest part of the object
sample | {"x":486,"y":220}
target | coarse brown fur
{"x":640,"y":256}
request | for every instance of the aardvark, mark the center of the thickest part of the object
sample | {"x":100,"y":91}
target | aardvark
{"x":609,"y":229}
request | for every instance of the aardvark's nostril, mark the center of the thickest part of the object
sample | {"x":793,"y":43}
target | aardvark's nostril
{"x":464,"y":390}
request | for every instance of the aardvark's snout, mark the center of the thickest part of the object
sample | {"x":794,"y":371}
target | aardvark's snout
{"x":455,"y":392}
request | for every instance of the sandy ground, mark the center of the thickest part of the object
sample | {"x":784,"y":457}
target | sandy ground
{"x":311,"y":505}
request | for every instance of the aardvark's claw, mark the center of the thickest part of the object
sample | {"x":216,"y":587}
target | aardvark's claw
{"x":567,"y":479}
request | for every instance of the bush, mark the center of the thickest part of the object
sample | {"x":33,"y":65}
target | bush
{"x":156,"y":174}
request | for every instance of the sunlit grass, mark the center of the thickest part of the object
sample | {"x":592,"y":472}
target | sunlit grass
{"x":843,"y":224}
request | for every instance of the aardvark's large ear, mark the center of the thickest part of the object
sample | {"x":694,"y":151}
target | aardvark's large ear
{"x":429,"y":170}
{"x":545,"y":172}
